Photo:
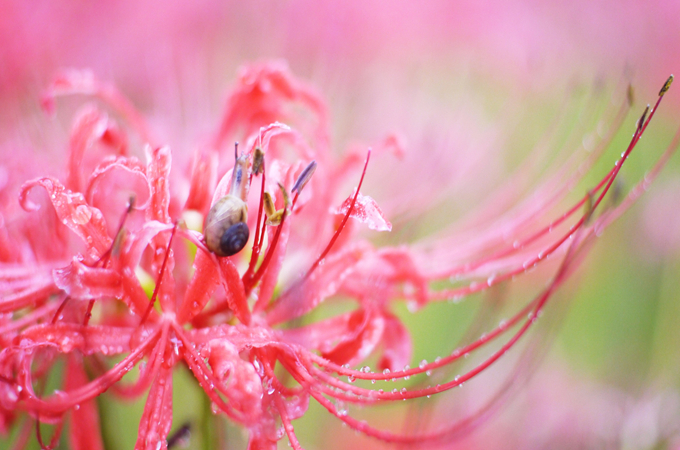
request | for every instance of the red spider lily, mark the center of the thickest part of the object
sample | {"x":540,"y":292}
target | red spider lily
{"x":84,"y":300}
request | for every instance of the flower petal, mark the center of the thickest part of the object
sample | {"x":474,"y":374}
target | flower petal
{"x":244,"y":386}
{"x":84,"y":220}
{"x":366,"y":211}
{"x":157,"y":417}
{"x":75,"y":81}
{"x":88,"y":339}
{"x":91,"y":125}
{"x":81,"y":281}
{"x":84,"y":432}
{"x":321,"y":284}
{"x":398,"y":347}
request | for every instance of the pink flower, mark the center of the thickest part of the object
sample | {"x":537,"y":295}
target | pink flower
{"x":107,"y":270}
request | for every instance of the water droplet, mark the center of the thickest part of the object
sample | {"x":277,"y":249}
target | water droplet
{"x":81,"y":215}
{"x":428,"y":373}
{"x":386,"y":371}
{"x":422,"y":364}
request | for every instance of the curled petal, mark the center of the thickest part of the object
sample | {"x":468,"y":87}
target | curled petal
{"x":81,"y":281}
{"x":136,"y":242}
{"x":264,"y":94}
{"x":84,"y":220}
{"x":90,"y":126}
{"x":244,"y":386}
{"x":84,"y":82}
{"x":131,"y":166}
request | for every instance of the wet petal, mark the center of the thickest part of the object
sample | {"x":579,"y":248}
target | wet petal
{"x":84,"y":432}
{"x":244,"y":386}
{"x":325,"y":281}
{"x":157,"y":416}
{"x":88,"y":339}
{"x":90,"y":126}
{"x":366,"y":211}
{"x":81,"y":281}
{"x":84,"y":220}
{"x":397,"y":344}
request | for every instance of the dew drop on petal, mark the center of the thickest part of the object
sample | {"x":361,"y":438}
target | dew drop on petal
{"x":82,"y":215}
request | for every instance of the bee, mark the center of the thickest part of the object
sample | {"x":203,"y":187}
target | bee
{"x":226,"y":231}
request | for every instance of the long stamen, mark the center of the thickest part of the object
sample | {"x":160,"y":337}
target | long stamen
{"x":271,"y":249}
{"x":115,"y":245}
{"x":259,"y":235}
{"x":342,"y":224}
{"x":160,"y":277}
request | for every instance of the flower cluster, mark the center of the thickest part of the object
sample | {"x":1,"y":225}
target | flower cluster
{"x":107,"y":269}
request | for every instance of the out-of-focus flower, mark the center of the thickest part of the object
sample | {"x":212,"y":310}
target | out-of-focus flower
{"x":107,"y":270}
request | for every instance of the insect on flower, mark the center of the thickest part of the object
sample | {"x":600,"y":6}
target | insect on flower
{"x":136,"y":297}
{"x":226,"y":231}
